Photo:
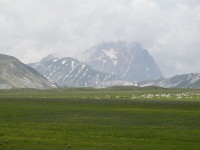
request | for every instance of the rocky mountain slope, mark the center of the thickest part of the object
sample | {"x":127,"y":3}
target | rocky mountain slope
{"x":179,"y":81}
{"x":129,"y":62}
{"x":14,"y":74}
{"x":69,"y":72}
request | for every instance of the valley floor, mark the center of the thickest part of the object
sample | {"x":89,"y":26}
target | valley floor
{"x":77,"y":120}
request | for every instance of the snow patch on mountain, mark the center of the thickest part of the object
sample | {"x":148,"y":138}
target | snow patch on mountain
{"x":112,"y":54}
{"x":64,"y":62}
{"x":194,"y":78}
{"x":55,"y":60}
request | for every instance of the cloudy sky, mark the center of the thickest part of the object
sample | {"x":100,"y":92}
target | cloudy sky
{"x":169,"y":29}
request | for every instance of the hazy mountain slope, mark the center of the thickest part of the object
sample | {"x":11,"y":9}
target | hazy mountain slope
{"x":127,"y":61}
{"x":14,"y":74}
{"x":180,"y":81}
{"x":69,"y":72}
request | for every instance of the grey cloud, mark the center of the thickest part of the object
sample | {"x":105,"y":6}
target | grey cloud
{"x":169,"y":29}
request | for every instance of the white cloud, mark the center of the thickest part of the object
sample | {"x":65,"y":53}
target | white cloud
{"x":170,"y":29}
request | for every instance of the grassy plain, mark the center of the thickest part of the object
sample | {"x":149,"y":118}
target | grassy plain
{"x":113,"y":118}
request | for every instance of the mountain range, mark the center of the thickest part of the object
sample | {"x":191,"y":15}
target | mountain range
{"x":70,"y":72}
{"x":104,"y":65}
{"x":107,"y":64}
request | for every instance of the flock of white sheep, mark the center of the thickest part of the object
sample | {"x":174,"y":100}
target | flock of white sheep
{"x":180,"y":96}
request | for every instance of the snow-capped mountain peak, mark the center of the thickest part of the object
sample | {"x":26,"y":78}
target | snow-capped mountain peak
{"x":127,"y":61}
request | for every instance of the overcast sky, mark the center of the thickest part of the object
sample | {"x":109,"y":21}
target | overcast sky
{"x":169,"y":29}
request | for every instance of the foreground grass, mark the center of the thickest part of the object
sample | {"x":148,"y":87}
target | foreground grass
{"x":98,"y":124}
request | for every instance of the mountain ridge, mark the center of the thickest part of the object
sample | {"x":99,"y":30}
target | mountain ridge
{"x":70,"y":72}
{"x":15,"y":74}
{"x":191,"y":80}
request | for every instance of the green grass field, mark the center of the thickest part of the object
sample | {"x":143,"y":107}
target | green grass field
{"x":100,"y":119}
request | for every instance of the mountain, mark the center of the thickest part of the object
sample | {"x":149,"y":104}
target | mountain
{"x":70,"y":72}
{"x":179,"y":81}
{"x":112,"y":83}
{"x":14,"y":74}
{"x":127,"y":61}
